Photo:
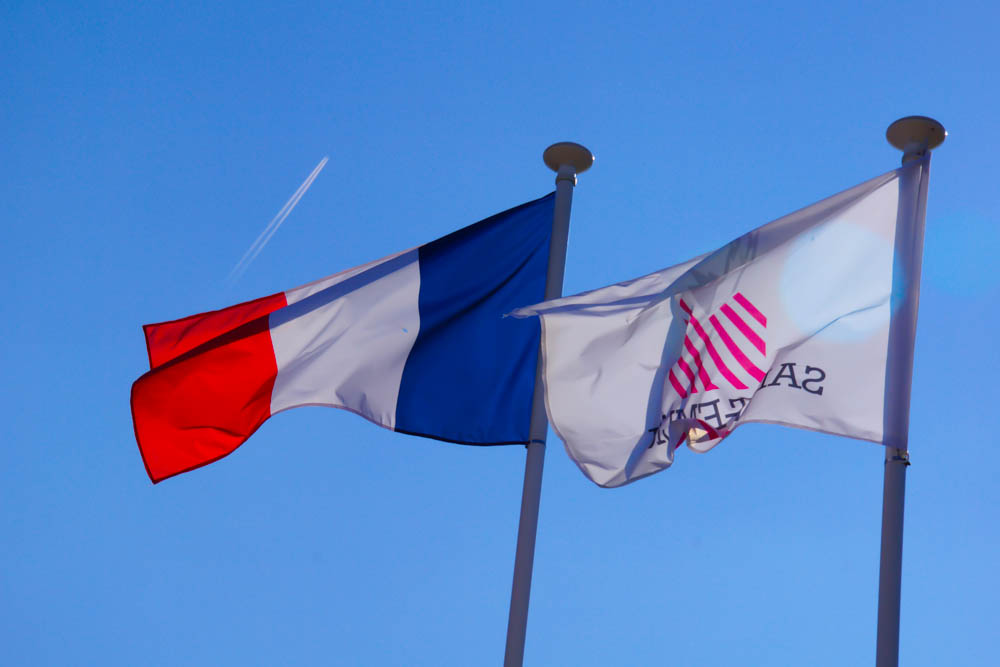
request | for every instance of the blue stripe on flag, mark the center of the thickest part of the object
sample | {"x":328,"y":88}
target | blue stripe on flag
{"x":470,"y":375}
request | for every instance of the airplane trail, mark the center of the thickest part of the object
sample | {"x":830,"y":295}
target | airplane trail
{"x":248,"y":257}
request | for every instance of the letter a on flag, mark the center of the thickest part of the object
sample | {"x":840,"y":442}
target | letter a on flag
{"x":415,"y":342}
{"x":788,"y":324}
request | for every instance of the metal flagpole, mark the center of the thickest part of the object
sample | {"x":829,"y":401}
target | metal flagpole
{"x":916,"y":136}
{"x":567,"y":160}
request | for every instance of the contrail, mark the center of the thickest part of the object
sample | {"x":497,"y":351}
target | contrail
{"x":272,"y":227}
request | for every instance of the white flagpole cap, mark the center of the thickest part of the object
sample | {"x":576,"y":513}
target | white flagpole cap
{"x":915,"y":135}
{"x":568,"y":154}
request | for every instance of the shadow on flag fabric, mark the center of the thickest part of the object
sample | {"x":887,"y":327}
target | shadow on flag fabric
{"x":788,"y":324}
{"x":415,"y":342}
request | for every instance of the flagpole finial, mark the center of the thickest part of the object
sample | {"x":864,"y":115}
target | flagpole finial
{"x":915,"y":135}
{"x":568,"y":154}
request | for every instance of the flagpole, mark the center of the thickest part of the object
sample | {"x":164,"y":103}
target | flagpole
{"x":567,"y":160}
{"x":916,"y":136}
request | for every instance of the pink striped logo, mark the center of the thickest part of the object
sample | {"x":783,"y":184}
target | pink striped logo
{"x":726,"y":348}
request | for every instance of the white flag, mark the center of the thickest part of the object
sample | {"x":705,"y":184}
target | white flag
{"x":788,"y":324}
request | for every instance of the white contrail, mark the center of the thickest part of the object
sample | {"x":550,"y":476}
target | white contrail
{"x":272,"y":227}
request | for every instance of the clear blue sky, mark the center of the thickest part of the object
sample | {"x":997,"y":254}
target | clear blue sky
{"x":146,"y":145}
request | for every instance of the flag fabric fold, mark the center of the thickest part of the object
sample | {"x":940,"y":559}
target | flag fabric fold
{"x":415,"y":342}
{"x":788,"y":324}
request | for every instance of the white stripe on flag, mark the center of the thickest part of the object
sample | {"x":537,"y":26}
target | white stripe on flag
{"x":319,"y":337}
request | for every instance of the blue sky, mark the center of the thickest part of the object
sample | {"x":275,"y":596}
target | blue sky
{"x":145,"y":147}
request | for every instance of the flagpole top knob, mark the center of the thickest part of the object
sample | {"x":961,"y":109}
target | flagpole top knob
{"x":567,"y":153}
{"x":915,"y":135}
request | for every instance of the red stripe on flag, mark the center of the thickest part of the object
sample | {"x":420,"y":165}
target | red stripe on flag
{"x":702,"y":373}
{"x":736,"y":351}
{"x":744,"y":328}
{"x":712,"y":352}
{"x":687,"y":371}
{"x":201,"y":405}
{"x":677,"y":385}
{"x":169,"y":340}
{"x":750,"y":308}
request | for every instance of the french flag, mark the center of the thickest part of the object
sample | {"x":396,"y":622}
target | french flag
{"x":416,"y":342}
